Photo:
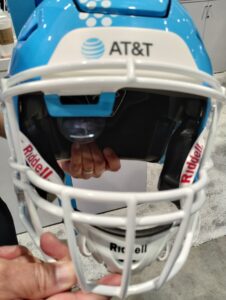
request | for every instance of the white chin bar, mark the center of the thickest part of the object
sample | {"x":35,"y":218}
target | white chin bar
{"x":108,"y":246}
{"x":93,"y":78}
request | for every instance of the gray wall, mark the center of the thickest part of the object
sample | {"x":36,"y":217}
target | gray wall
{"x":213,"y":213}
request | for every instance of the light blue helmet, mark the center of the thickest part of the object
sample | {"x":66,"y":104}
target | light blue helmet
{"x":130,"y":75}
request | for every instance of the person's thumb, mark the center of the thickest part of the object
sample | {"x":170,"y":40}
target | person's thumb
{"x":37,"y":280}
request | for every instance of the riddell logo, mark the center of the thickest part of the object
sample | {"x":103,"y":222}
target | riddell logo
{"x":36,"y":163}
{"x":116,"y":248}
{"x":192,"y":164}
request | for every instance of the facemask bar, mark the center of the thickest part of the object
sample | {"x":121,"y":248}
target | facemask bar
{"x":31,"y":222}
{"x":183,"y":239}
{"x":216,"y":109}
{"x":132,"y":73}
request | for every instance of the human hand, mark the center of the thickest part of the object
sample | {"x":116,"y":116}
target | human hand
{"x":87,"y":161}
{"x":22,"y":276}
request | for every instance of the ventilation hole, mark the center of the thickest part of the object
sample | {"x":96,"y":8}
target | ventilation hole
{"x":121,"y":261}
{"x":73,"y":100}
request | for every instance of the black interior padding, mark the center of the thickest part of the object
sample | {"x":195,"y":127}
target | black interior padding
{"x":180,"y":144}
{"x":41,"y":130}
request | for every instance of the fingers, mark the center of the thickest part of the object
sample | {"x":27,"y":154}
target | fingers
{"x":98,"y":159}
{"x":113,"y":162}
{"x":74,"y":166}
{"x":17,"y":253}
{"x":11,"y":252}
{"x":114,"y":280}
{"x":78,"y":296}
{"x":88,"y":168}
{"x":53,"y":247}
{"x":34,"y":280}
{"x":87,"y":161}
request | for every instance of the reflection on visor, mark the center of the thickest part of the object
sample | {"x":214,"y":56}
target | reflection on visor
{"x":81,"y":130}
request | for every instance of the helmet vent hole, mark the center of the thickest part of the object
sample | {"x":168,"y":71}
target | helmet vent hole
{"x":73,"y":100}
{"x":121,"y":261}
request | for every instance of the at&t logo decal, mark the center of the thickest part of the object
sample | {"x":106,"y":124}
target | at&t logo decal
{"x":93,"y":48}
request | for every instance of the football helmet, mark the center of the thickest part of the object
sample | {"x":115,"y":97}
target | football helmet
{"x":130,"y":75}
